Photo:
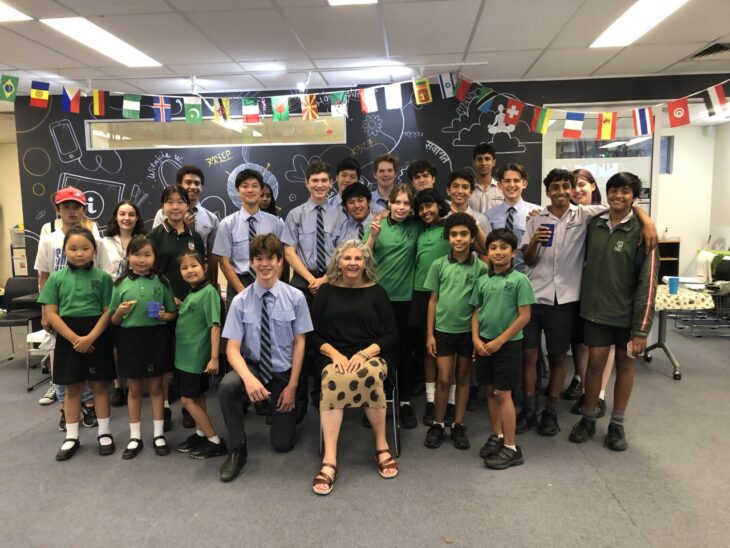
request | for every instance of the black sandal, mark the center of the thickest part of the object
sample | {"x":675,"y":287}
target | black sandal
{"x":131,"y":452}
{"x":160,"y":450}
{"x":105,"y":450}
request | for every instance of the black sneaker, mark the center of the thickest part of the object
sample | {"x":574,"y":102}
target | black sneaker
{"x":449,"y":416}
{"x":434,"y":437}
{"x":407,"y":416}
{"x":117,"y":399}
{"x":505,"y":458}
{"x":458,"y":436}
{"x":428,"y":415}
{"x":191,"y":443}
{"x":574,"y":390}
{"x":187,"y":419}
{"x":582,"y":430}
{"x":167,"y":426}
{"x":208,"y":450}
{"x":600,"y":408}
{"x":615,"y":439}
{"x":525,"y":421}
{"x":493,"y":446}
{"x":89,"y":416}
{"x":234,"y":463}
{"x":548,"y":423}
{"x":62,"y":422}
{"x":577,"y":408}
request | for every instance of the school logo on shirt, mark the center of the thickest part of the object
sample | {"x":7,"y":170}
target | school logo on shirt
{"x":509,"y":287}
{"x":191,"y":246}
{"x":469,"y":279}
{"x":619,"y":247}
{"x":157,"y":291}
{"x":95,"y":286}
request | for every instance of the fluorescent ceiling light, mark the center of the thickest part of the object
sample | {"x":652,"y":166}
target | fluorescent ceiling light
{"x":636,"y":21}
{"x":614,"y":144}
{"x":8,"y":14}
{"x":350,"y":2}
{"x":265,"y":67}
{"x":388,"y":69}
{"x":92,"y":36}
{"x":637,"y":140}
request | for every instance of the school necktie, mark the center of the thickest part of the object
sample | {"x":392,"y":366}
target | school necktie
{"x":510,"y":224}
{"x":360,"y":231}
{"x":265,"y":367}
{"x":251,"y":228}
{"x":321,"y":262}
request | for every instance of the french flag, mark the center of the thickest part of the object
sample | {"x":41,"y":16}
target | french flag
{"x":643,"y":121}
{"x":573,"y":125}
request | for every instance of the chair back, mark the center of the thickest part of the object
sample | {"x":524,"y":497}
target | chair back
{"x":18,"y":287}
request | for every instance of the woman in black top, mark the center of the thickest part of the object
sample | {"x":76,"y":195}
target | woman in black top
{"x":354,"y":328}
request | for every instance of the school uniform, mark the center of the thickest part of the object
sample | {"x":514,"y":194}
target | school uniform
{"x":81,"y":294}
{"x":377,"y":202}
{"x":482,"y":200}
{"x":354,"y":230}
{"x":430,"y":245}
{"x":206,"y":224}
{"x":481,"y":220}
{"x":169,"y":245}
{"x":516,"y":214}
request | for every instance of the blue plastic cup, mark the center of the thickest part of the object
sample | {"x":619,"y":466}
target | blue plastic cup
{"x":673,"y":283}
{"x":153,"y":309}
{"x":549,"y":241}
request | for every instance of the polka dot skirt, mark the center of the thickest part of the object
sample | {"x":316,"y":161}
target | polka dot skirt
{"x":361,"y":388}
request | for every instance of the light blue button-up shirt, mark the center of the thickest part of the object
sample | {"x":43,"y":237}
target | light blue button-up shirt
{"x":497,"y":217}
{"x":232,"y":238}
{"x":300,"y":231}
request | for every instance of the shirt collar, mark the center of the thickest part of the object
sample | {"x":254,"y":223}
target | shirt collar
{"x":200,"y":286}
{"x":312,"y":206}
{"x":259,"y":290}
{"x":133,"y":276}
{"x":76,"y":268}
{"x":607,"y":217}
{"x":468,"y":261}
{"x":504,"y":274}
{"x":364,"y":222}
{"x":168,"y":228}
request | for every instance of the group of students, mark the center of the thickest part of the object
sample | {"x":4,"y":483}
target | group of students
{"x":473,"y":280}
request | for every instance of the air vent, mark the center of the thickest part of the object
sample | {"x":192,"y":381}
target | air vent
{"x":715,"y":52}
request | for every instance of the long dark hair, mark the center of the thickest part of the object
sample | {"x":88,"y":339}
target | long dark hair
{"x":135,"y":244}
{"x":272,"y":204}
{"x":112,"y":227}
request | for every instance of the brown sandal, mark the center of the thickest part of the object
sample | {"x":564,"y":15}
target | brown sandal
{"x":387,"y":463}
{"x":328,"y":480}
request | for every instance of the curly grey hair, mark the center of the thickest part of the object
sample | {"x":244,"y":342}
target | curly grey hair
{"x":333,"y":269}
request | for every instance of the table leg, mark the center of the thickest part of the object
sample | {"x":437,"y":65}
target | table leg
{"x":662,"y":344}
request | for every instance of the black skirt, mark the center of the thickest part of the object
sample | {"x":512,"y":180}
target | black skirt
{"x":145,"y":351}
{"x":71,"y":367}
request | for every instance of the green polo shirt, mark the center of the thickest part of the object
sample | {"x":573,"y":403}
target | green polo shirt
{"x":395,"y":255}
{"x":430,"y":246}
{"x":200,"y":310}
{"x":143,"y":290}
{"x":454,"y":282}
{"x":78,"y":292}
{"x":169,"y":245}
{"x":497,"y":298}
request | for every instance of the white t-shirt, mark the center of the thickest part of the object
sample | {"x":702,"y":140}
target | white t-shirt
{"x":50,"y":256}
{"x":58,"y":224}
{"x":116,"y":255}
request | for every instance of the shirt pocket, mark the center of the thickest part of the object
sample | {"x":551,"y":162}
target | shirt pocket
{"x":239,"y":249}
{"x":281,"y":327}
{"x":308,"y":240}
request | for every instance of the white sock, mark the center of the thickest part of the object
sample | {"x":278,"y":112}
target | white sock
{"x":513,"y":447}
{"x":452,"y":395}
{"x":200,"y":433}
{"x":166,"y":404}
{"x":430,"y":391}
{"x":500,"y":436}
{"x":576,"y":377}
{"x":214,"y":439}
{"x":402,"y":403}
{"x":104,"y":429}
{"x":135,"y":432}
{"x":441,"y":424}
{"x":72,"y":435}
{"x":602,"y":395}
{"x":158,"y":428}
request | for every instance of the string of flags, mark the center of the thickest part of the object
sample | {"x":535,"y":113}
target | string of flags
{"x":451,"y":86}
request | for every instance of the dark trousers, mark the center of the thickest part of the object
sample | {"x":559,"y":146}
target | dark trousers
{"x":407,"y":374}
{"x":308,"y":367}
{"x":232,"y":396}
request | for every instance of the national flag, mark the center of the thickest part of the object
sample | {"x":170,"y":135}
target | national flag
{"x":221,"y":110}
{"x":162,"y":109}
{"x":541,"y":120}
{"x":338,"y":103}
{"x":250,"y":111}
{"x":71,"y":100}
{"x":643,"y":121}
{"x":446,"y":83}
{"x":715,"y":100}
{"x":280,"y":108}
{"x":264,"y":106}
{"x":130,"y":106}
{"x":309,"y":107}
{"x":193,"y":110}
{"x":573,"y":125}
{"x":39,"y":94}
{"x":9,"y":88}
{"x":422,"y":91}
{"x":513,"y":111}
{"x":393,"y":97}
{"x":99,"y":100}
{"x":462,"y":88}
{"x":606,"y":126}
{"x":368,"y":102}
{"x":678,"y":112}
{"x":484,"y":101}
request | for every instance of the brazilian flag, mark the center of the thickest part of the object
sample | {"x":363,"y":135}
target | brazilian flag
{"x":9,"y":88}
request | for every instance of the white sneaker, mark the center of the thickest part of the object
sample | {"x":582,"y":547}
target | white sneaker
{"x":50,"y":396}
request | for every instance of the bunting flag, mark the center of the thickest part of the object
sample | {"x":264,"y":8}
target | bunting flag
{"x":309,"y":107}
{"x":485,"y":99}
{"x":462,"y":88}
{"x":250,"y":111}
{"x":606,"y":126}
{"x":221,"y":109}
{"x":393,"y":97}
{"x":193,"y":110}
{"x":368,"y":101}
{"x":162,"y":109}
{"x":264,"y":106}
{"x":541,"y":120}
{"x":446,"y":83}
{"x":715,"y":100}
{"x":422,"y":91}
{"x":71,"y":100}
{"x":99,"y":100}
{"x":513,"y":111}
{"x":678,"y":112}
{"x":39,"y":94}
{"x":643,"y":121}
{"x":9,"y":88}
{"x":573,"y":125}
{"x":280,"y":108}
{"x":130,"y":106}
{"x":338,"y":103}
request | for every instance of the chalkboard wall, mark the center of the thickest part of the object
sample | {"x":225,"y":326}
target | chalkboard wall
{"x":52,"y":152}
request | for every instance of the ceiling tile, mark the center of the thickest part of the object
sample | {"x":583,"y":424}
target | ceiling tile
{"x":159,"y":85}
{"x":82,"y":73}
{"x":586,"y":25}
{"x":646,"y":59}
{"x":565,"y":63}
{"x":20,"y":52}
{"x":121,"y":86}
{"x":232,"y":83}
{"x":89,"y":8}
{"x":350,"y":79}
{"x":697,"y":67}
{"x":289,"y":64}
{"x":500,"y":65}
{"x":289,"y":80}
{"x":42,"y":8}
{"x":202,"y":69}
{"x":219,"y":5}
{"x":137,"y":72}
{"x":698,"y":21}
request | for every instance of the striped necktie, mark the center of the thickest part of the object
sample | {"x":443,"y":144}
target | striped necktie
{"x":251,"y":228}
{"x":321,"y":261}
{"x":510,"y":224}
{"x":265,"y":368}
{"x":360,"y":231}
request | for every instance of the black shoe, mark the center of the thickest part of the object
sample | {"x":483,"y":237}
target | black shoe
{"x":615,"y":439}
{"x":105,"y":450}
{"x":167,"y":425}
{"x":234,"y":463}
{"x":408,"y":417}
{"x":505,"y":458}
{"x":62,"y":422}
{"x":88,"y":416}
{"x":525,"y":421}
{"x":548,"y":423}
{"x":582,"y":430}
{"x":577,"y":408}
{"x":117,"y":399}
{"x":191,"y":443}
{"x":428,"y":415}
{"x":458,"y":436}
{"x":129,"y":452}
{"x":65,"y":454}
{"x":600,"y":408}
{"x":449,"y":416}
{"x":574,"y":390}
{"x":472,"y":403}
{"x":161,"y":450}
{"x":208,"y":450}
{"x":187,"y":421}
{"x":434,"y":437}
{"x":491,"y":447}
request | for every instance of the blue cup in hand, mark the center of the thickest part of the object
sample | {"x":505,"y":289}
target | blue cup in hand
{"x":551,"y":228}
{"x":153,"y":309}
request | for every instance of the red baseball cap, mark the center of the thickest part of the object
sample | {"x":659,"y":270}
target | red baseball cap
{"x":70,"y":194}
